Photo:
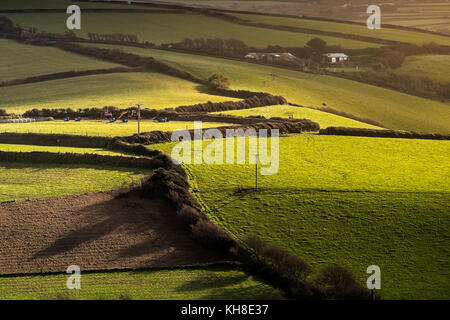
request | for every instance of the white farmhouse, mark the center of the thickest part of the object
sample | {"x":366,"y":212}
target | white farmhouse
{"x":337,"y":58}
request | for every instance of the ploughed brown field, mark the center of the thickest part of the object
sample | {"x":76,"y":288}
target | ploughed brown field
{"x":96,"y":232}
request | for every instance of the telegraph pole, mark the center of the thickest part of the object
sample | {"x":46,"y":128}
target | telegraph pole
{"x":256,"y":171}
{"x":139,"y":116}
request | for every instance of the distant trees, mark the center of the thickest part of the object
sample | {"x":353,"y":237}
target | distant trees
{"x":226,"y":47}
{"x":317,"y":45}
{"x":6,"y":25}
{"x":116,"y":37}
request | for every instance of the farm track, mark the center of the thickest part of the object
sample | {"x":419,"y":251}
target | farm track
{"x":96,"y":232}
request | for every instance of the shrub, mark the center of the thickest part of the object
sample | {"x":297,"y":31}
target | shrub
{"x":317,"y":44}
{"x":280,"y":259}
{"x":212,"y":235}
{"x":219,"y":80}
{"x":338,"y":283}
{"x":189,"y":215}
{"x":6,"y":25}
{"x":3,"y":112}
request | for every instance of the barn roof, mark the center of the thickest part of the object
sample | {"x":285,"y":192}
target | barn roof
{"x":336,"y":55}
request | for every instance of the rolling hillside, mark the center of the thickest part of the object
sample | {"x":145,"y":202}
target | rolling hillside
{"x":167,"y":28}
{"x":435,"y":67}
{"x":386,"y":33}
{"x":324,"y":119}
{"x":354,"y":201}
{"x":22,"y":61}
{"x":351,"y":201}
{"x":392,"y":109}
{"x":121,"y":90}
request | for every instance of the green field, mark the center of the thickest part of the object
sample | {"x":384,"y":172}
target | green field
{"x":385,"y":33}
{"x":101,"y":128}
{"x":392,"y":109}
{"x":176,"y":284}
{"x":413,"y":14}
{"x":23,"y":61}
{"x":122,"y":90}
{"x":167,"y":28}
{"x":348,"y":200}
{"x":59,"y":149}
{"x":324,"y":119}
{"x":435,"y":67}
{"x":58,"y":4}
{"x":22,"y":181}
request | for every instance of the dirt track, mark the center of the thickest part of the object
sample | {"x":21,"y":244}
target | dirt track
{"x":94,"y":231}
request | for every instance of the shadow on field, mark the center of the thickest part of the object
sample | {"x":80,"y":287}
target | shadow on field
{"x":225,"y":287}
{"x":107,"y":222}
{"x":202,"y":283}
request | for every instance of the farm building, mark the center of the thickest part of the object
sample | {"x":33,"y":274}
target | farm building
{"x":337,"y":58}
{"x":271,"y":57}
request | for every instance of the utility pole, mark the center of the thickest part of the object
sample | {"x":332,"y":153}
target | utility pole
{"x":139,"y":116}
{"x":372,"y":291}
{"x":256,"y":171}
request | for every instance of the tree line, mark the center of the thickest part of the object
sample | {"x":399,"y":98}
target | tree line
{"x":116,"y":37}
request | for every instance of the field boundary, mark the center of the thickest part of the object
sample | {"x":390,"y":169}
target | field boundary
{"x":66,"y":75}
{"x":77,"y":158}
{"x":375,"y":133}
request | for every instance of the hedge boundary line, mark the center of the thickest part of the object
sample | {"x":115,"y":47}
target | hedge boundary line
{"x":380,"y":133}
{"x":78,"y":158}
{"x":63,"y":140}
{"x":284,"y":126}
{"x":256,"y":99}
{"x":65,"y":75}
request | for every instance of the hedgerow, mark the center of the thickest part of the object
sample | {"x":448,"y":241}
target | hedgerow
{"x":359,"y":132}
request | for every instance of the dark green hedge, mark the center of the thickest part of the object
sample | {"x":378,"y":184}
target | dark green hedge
{"x":358,"y":132}
{"x":63,"y":140}
{"x":78,"y":158}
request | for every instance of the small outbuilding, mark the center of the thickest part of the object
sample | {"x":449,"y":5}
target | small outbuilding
{"x":337,"y":58}
{"x":270,"y":57}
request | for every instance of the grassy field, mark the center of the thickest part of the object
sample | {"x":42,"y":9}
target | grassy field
{"x":177,"y":284}
{"x":21,"y":181}
{"x":166,"y":28}
{"x":347,"y":200}
{"x":21,"y":61}
{"x":418,"y":38}
{"x":419,"y":15}
{"x":101,"y":128}
{"x":428,"y":16}
{"x":59,"y":4}
{"x":58,"y":149}
{"x":122,"y":90}
{"x":434,"y":67}
{"x":392,"y":109}
{"x":324,"y":119}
